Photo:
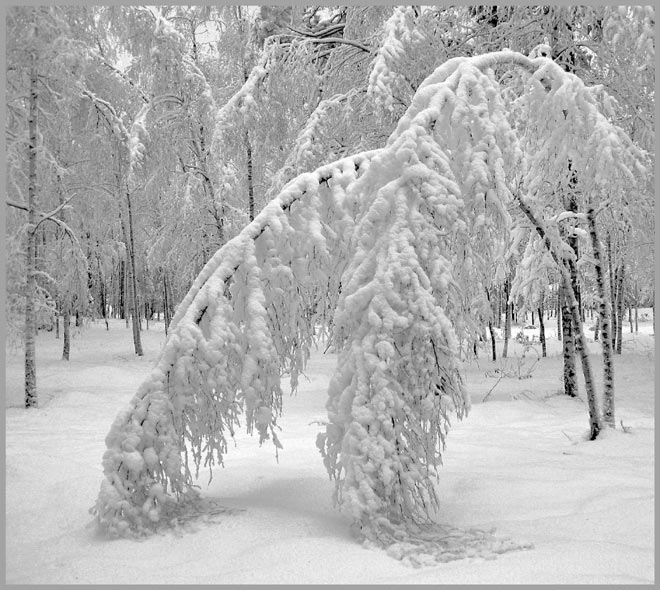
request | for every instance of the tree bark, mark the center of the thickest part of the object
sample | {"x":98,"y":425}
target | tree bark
{"x":604,"y":315}
{"x":568,"y":348}
{"x":558,"y":313}
{"x":595,"y":425}
{"x":492,"y":341}
{"x":122,"y":290}
{"x":580,"y":342}
{"x":542,"y":331}
{"x":250,"y":180}
{"x":619,"y":307}
{"x":630,"y":319}
{"x":610,"y":264}
{"x":507,"y":320}
{"x":31,"y":263}
{"x":66,"y":330}
{"x":166,"y":304}
{"x":131,"y":275}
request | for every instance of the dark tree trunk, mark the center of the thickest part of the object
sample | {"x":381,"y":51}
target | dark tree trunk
{"x":492,"y":341}
{"x":66,"y":330}
{"x":542,"y":332}
{"x":568,"y":348}
{"x":122,"y":290}
{"x":166,"y":304}
{"x":58,"y":310}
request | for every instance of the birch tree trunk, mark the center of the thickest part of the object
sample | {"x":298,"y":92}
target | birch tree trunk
{"x":568,"y":342}
{"x":250,"y":180}
{"x":595,"y":425}
{"x":580,"y":341}
{"x":131,"y":282}
{"x":135,"y":309}
{"x":31,"y":262}
{"x":604,"y":315}
{"x":619,"y":307}
{"x":558,"y":313}
{"x":610,"y":264}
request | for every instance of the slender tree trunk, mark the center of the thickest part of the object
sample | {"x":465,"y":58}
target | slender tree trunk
{"x":636,"y":304}
{"x":166,"y":304}
{"x":31,"y":263}
{"x":580,"y":341}
{"x":619,"y":308}
{"x":630,"y":319}
{"x":250,"y":180}
{"x":595,"y":425}
{"x":507,"y":320}
{"x":558,"y":313}
{"x":568,"y":348}
{"x":122,"y":291}
{"x":132,"y":278}
{"x":58,"y":310}
{"x":492,"y":341}
{"x":66,"y":330}
{"x":103,"y":295}
{"x":610,"y":264}
{"x":542,"y":331}
{"x":604,"y":315}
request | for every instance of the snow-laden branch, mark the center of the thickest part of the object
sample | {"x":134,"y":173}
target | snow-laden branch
{"x":50,"y":217}
{"x":384,"y":244}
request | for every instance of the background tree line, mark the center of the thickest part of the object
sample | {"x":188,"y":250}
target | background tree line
{"x":141,"y":139}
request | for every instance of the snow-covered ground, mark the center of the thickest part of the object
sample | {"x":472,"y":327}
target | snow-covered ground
{"x":518,"y":463}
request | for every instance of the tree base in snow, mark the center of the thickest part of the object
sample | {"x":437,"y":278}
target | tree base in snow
{"x":431,"y":544}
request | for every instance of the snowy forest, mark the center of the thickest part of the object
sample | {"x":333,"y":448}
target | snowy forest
{"x":401,"y":209}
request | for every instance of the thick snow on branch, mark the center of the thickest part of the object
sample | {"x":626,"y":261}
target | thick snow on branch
{"x":383,"y":246}
{"x":399,"y":33}
{"x":250,"y":314}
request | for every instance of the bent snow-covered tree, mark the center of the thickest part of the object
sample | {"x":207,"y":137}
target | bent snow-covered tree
{"x":379,"y":246}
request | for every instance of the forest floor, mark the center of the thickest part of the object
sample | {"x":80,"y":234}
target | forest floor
{"x":518,"y":463}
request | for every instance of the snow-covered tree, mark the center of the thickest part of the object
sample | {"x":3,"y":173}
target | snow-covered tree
{"x":380,"y":245}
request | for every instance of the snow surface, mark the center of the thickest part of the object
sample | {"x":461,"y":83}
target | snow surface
{"x":518,"y":463}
